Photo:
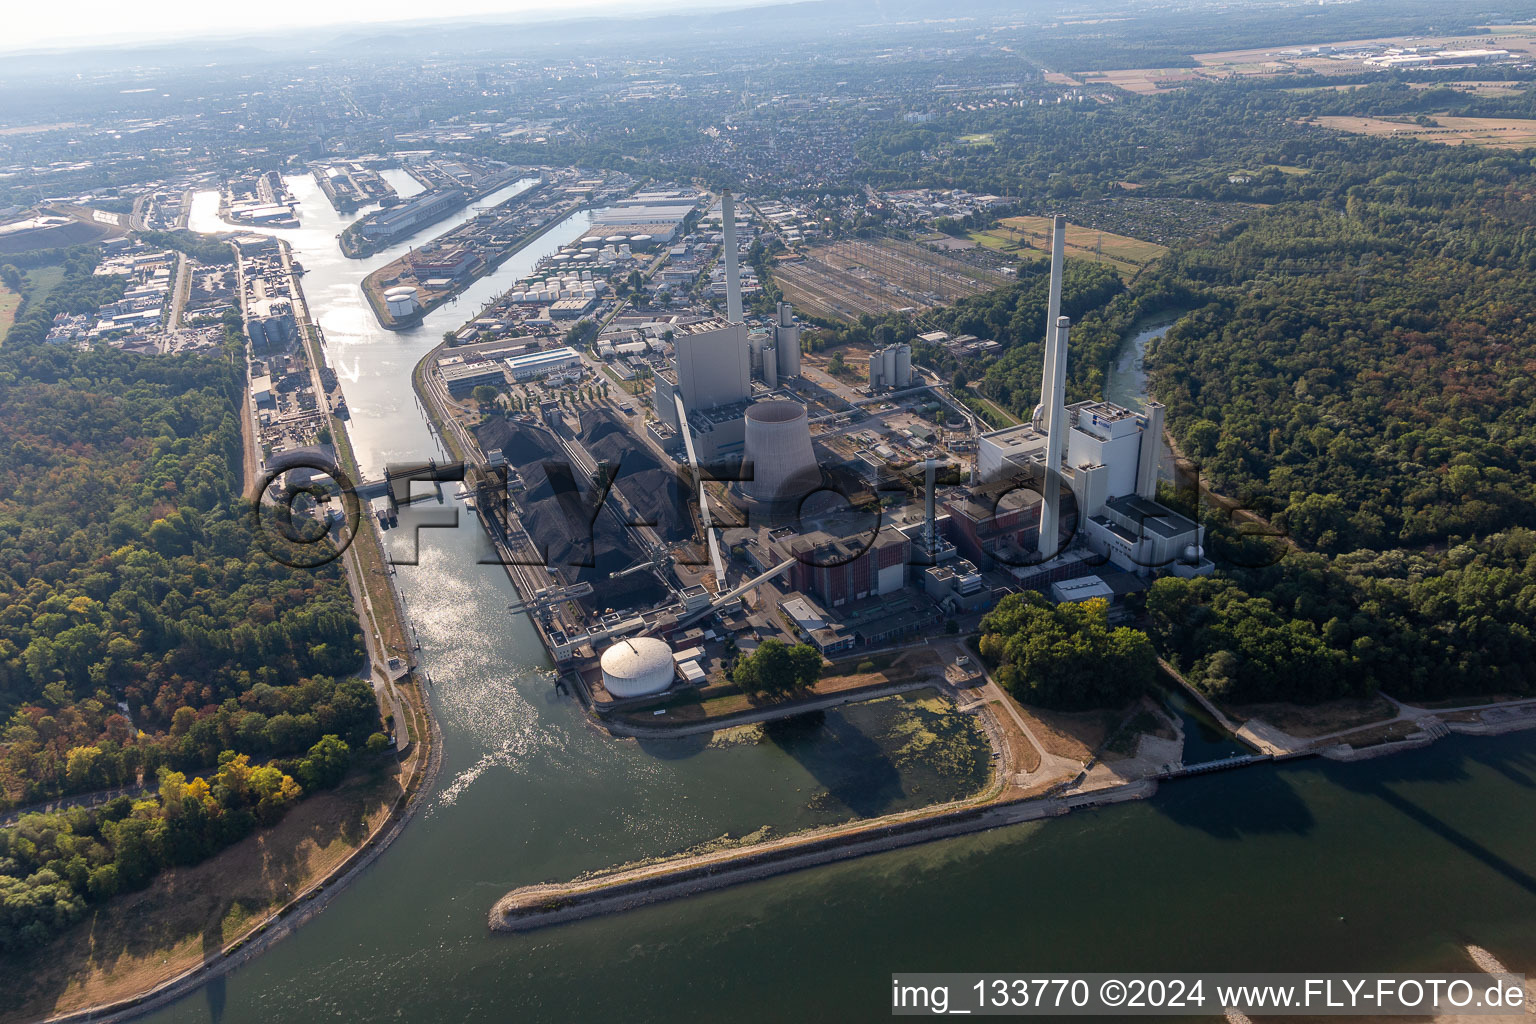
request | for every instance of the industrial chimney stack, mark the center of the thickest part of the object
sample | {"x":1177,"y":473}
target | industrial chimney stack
{"x":1053,"y":311}
{"x":1055,"y":437}
{"x":732,"y":274}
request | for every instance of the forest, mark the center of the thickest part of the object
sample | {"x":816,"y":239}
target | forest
{"x":144,"y":634}
{"x":1065,"y":655}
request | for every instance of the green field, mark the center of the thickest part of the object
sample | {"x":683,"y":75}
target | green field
{"x":37,"y":284}
{"x":9,"y":301}
{"x":1020,"y":234}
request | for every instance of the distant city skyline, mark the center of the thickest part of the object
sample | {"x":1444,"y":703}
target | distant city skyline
{"x":86,"y":23}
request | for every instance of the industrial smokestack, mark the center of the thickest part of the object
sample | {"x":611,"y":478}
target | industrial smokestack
{"x":930,"y":511}
{"x":1151,"y":448}
{"x":1055,"y":436}
{"x":1052,"y":312}
{"x":732,"y":274}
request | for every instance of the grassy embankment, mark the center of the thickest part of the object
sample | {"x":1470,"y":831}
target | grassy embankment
{"x":187,"y":916}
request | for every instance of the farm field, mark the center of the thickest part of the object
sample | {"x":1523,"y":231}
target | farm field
{"x":1127,"y":255}
{"x":845,"y":280}
{"x":1495,"y":132}
{"x":1273,"y":60}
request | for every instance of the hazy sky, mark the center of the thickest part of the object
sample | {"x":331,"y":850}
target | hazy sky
{"x":64,"y":23}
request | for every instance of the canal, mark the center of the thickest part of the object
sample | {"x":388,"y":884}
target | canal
{"x":1389,"y":864}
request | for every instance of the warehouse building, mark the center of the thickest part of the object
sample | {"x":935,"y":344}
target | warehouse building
{"x":537,"y":364}
{"x":462,"y":378}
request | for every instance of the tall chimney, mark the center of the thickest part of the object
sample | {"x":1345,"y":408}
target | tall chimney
{"x":732,"y":275}
{"x":1055,"y":435}
{"x":1151,"y":449}
{"x":1053,"y":310}
{"x":930,"y":512}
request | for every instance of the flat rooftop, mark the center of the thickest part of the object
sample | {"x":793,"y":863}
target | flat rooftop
{"x":1155,"y":519}
{"x":700,"y":326}
{"x":1017,"y":440}
{"x":1106,"y":411}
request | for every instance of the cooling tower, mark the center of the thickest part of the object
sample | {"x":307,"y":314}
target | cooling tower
{"x":778,"y":444}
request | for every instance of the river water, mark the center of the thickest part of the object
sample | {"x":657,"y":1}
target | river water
{"x":1390,"y":864}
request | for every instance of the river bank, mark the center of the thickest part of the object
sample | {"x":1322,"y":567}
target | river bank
{"x":378,"y":820}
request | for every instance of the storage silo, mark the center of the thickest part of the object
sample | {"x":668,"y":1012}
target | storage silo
{"x":637,"y":667}
{"x":770,"y":367}
{"x":903,"y":366}
{"x":756,"y":342}
{"x":778,"y":444}
{"x":888,"y":365}
{"x":786,"y":338}
{"x":877,"y":369}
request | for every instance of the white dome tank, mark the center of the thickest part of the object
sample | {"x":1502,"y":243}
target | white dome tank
{"x":637,"y":667}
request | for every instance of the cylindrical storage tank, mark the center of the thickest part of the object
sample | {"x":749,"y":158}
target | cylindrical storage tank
{"x":888,"y":368}
{"x":592,"y":240}
{"x":519,"y":296}
{"x":778,"y":444}
{"x":903,"y":365}
{"x":639,"y":241}
{"x":770,"y":367}
{"x":787,"y":341}
{"x":616,"y":238}
{"x":637,"y":667}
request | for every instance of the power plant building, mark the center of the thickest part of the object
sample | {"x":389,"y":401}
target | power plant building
{"x":843,"y":569}
{"x":1105,"y":453}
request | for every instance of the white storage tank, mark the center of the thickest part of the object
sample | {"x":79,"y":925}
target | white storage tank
{"x":637,"y":667}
